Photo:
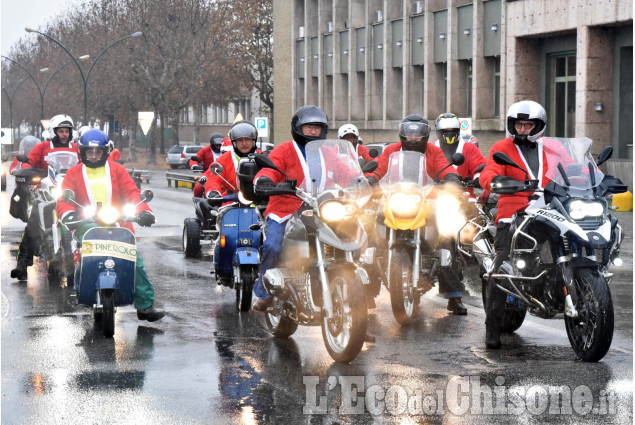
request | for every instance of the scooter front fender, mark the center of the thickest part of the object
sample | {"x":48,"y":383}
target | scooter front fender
{"x":246,"y":255}
{"x":107,"y":280}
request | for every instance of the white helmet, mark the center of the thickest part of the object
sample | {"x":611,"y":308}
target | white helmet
{"x":83,"y":129}
{"x":347,"y":129}
{"x":526,"y":110}
{"x":46,"y":135}
{"x":60,"y":121}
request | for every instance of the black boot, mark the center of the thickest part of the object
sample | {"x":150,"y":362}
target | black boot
{"x":150,"y":314}
{"x":20,"y":271}
{"x":456,"y":306}
{"x":492,"y":336}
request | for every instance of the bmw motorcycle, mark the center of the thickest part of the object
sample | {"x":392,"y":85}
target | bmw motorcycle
{"x":562,"y":246}
{"x":317,"y":281}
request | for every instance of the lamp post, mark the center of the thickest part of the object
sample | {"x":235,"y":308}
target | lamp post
{"x":84,"y":78}
{"x":84,"y":57}
{"x":36,"y":85}
{"x":10,"y":99}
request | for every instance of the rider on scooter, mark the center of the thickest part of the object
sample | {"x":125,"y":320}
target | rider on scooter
{"x":101,"y":180}
{"x":61,"y":126}
{"x":207,"y":156}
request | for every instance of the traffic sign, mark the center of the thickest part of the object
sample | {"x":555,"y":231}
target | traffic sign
{"x":466,"y":125}
{"x":145,"y":119}
{"x":262,"y":125}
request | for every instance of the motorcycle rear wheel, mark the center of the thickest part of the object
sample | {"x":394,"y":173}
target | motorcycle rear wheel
{"x":280,"y":326}
{"x":344,"y":333}
{"x":191,"y":242}
{"x":108,"y":315}
{"x":591,"y":333}
{"x":511,"y":319}
{"x":245,"y":288}
{"x":405,"y":304}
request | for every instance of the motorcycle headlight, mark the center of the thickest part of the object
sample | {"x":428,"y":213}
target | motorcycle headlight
{"x":129,"y":210}
{"x":89,"y":211}
{"x":55,"y":191}
{"x":450,"y":217}
{"x":578,"y":209}
{"x":336,"y":211}
{"x":108,"y":215}
{"x":242,"y":199}
{"x":405,"y":205}
{"x":109,"y":263}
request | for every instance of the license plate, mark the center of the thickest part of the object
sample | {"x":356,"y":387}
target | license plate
{"x":20,"y":179}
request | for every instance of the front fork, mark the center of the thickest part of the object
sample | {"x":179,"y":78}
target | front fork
{"x":327,"y":301}
{"x":416,"y":261}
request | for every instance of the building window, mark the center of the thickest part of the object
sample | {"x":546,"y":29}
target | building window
{"x":562,"y":94}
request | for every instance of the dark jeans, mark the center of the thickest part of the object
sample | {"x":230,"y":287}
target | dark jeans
{"x":495,"y":297}
{"x":269,"y":252}
{"x":30,"y":238}
{"x":450,"y":284}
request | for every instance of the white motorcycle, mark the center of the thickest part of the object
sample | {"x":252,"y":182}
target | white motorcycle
{"x":562,"y":246}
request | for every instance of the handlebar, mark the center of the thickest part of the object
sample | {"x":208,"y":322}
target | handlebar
{"x":511,"y":187}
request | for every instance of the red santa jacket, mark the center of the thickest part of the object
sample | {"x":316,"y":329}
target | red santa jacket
{"x":115,"y":155}
{"x":41,"y":150}
{"x":508,"y":205}
{"x":121,"y":190}
{"x":229,"y":161}
{"x":289,"y":159}
{"x":435,"y":161}
{"x":207,"y":157}
{"x":362,"y":151}
{"x":473,"y":158}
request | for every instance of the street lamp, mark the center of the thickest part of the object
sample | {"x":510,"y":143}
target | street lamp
{"x":81,"y":58}
{"x":84,"y":78}
{"x":10,"y":99}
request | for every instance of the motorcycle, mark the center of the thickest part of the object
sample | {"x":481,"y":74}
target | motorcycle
{"x":27,"y":182}
{"x":235,"y":248}
{"x":414,"y":230}
{"x":562,"y":246}
{"x":317,"y":281}
{"x":106,"y":260}
{"x":54,"y":244}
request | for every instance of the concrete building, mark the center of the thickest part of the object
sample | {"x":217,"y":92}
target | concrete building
{"x":371,"y":62}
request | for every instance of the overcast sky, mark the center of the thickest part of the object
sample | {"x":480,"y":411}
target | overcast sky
{"x":17,"y":14}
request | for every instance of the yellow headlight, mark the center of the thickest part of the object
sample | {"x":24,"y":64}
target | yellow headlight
{"x":108,"y":215}
{"x":405,"y":205}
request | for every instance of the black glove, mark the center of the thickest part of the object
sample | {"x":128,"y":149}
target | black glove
{"x":372,"y":180}
{"x":197,"y":167}
{"x":264,"y":183}
{"x":71,"y":217}
{"x":213,"y":194}
{"x":476,"y":183}
{"x":202,"y":180}
{"x":145,"y":218}
{"x":451,"y":177}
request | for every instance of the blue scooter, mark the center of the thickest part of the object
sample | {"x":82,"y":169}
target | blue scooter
{"x":105,"y":272}
{"x":235,"y":249}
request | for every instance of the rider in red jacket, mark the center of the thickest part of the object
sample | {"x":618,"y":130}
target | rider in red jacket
{"x":351,"y":133}
{"x":526,"y":121}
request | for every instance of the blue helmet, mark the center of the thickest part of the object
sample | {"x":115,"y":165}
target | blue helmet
{"x":91,"y":139}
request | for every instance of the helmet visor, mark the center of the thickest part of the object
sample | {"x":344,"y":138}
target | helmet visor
{"x":241,"y":130}
{"x":413,"y":130}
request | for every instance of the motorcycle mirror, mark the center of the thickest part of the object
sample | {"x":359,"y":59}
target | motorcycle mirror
{"x":606,"y":153}
{"x":263,"y":161}
{"x":374,"y":153}
{"x":361,"y":161}
{"x":458,"y":158}
{"x":216,"y":168}
{"x":479,"y":168}
{"x":370,"y":166}
{"x":502,"y":159}
{"x":147,"y":195}
{"x":68,"y":195}
{"x":23,"y":158}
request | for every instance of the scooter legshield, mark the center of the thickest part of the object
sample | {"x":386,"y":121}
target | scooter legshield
{"x":100,"y":244}
{"x":234,"y":227}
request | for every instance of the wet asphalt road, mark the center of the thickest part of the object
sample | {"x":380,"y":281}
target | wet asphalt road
{"x":205,"y":363}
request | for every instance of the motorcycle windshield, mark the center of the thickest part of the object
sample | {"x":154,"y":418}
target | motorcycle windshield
{"x":406,"y":166}
{"x":61,"y":161}
{"x":571,"y":158}
{"x":333,"y":164}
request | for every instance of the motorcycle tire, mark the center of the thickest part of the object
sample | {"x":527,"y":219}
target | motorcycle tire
{"x":591,"y":333}
{"x":108,"y":315}
{"x":280,"y":326}
{"x":344,"y":333}
{"x":511,"y":320}
{"x":191,"y":241}
{"x":404,"y":302}
{"x":55,"y":271}
{"x":244,"y":290}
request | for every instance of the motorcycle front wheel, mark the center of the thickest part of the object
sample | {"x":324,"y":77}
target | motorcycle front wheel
{"x":344,"y":333}
{"x":244,"y":290}
{"x":108,"y":315}
{"x":591,"y":333}
{"x":402,"y":295}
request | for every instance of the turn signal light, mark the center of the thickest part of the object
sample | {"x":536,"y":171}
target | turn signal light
{"x":223,"y":241}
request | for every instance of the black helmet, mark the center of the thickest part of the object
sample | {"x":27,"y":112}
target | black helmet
{"x":414,"y":126}
{"x":216,"y":142}
{"x":240,"y":130}
{"x":308,"y":114}
{"x":448,"y":128}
